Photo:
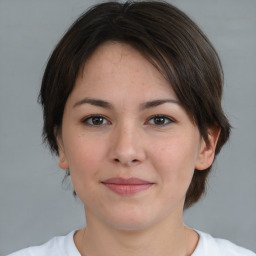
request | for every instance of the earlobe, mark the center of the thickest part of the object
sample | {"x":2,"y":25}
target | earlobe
{"x":207,"y":150}
{"x":63,"y":163}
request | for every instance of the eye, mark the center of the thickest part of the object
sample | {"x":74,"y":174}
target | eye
{"x":95,"y":120}
{"x":160,"y":120}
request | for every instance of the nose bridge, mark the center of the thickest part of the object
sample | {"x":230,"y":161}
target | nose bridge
{"x":127,"y":147}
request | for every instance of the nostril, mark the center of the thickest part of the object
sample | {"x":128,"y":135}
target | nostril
{"x":133,"y":161}
{"x":128,"y":162}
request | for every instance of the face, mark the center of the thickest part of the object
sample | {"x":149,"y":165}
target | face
{"x":130,"y":146}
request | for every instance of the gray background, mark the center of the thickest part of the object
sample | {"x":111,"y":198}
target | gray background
{"x":34,"y":206}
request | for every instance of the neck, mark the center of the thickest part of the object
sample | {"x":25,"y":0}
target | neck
{"x":165,"y":238}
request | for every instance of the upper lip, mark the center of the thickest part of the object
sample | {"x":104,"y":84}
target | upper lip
{"x":124,"y":181}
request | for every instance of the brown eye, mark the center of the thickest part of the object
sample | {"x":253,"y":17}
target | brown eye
{"x":95,"y":120}
{"x":160,"y":120}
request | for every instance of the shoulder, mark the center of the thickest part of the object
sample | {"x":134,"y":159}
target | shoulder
{"x":210,"y":246}
{"x":57,"y":246}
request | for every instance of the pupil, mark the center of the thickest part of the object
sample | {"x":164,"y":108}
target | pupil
{"x":97,"y":120}
{"x":159,"y":120}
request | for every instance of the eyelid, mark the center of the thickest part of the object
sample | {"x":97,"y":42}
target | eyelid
{"x":85,"y":119}
{"x":170,"y":120}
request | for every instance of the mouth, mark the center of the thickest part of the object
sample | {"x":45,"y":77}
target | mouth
{"x":129,"y":186}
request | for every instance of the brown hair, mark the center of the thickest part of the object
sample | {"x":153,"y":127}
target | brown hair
{"x":169,"y":39}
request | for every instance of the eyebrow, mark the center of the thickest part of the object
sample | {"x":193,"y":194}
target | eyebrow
{"x":107,"y":105}
{"x":155,"y":103}
{"x":94,"y":102}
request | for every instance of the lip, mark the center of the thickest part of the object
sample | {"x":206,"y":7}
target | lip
{"x":128,"y":186}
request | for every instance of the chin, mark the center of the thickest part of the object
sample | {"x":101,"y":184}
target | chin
{"x":131,"y":220}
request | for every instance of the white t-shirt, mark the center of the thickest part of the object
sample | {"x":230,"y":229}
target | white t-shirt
{"x":65,"y":246}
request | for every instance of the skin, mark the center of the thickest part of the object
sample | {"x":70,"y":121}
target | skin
{"x":126,"y":140}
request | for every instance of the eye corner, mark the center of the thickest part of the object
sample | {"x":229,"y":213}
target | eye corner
{"x":160,"y":120}
{"x":95,"y":120}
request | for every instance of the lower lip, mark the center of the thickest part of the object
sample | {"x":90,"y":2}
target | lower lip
{"x":127,"y":189}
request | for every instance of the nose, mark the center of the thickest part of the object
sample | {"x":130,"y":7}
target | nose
{"x":127,"y":146}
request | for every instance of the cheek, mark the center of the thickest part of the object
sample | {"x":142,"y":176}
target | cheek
{"x":83,"y":151}
{"x":84,"y":173}
{"x":175,"y":162}
{"x":84,"y":158}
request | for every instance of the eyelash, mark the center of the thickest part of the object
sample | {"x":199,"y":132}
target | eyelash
{"x":86,"y":120}
{"x":89,"y":120}
{"x":166,"y":118}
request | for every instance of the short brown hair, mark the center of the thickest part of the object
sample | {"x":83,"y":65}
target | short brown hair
{"x":169,"y":39}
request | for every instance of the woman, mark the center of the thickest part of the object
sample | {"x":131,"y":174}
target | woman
{"x":132,"y":106}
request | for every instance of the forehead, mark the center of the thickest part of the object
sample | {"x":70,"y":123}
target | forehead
{"x":115,"y":65}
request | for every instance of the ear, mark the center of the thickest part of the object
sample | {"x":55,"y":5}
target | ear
{"x":207,"y":150}
{"x":63,"y":163}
